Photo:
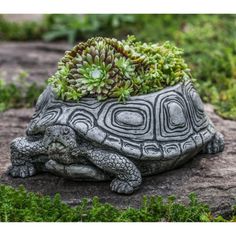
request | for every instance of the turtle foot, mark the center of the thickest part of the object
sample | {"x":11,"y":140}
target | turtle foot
{"x":216,"y":145}
{"x":22,"y":171}
{"x":121,"y":186}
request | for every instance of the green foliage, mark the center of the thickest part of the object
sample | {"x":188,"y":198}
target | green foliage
{"x":18,"y":94}
{"x":20,"y":31}
{"x":70,"y":27}
{"x":210,"y":50}
{"x":18,"y":205}
{"x":106,"y":68}
{"x":78,"y":27}
{"x":155,"y":209}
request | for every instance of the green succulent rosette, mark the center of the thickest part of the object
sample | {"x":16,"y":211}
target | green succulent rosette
{"x":107,"y":68}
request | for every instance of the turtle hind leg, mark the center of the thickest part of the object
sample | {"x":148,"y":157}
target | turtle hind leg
{"x":127,"y":176}
{"x":215,"y":145}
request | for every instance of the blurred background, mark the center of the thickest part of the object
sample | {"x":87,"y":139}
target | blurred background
{"x":31,"y":45}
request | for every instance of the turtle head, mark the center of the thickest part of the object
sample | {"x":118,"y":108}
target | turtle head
{"x":60,"y":141}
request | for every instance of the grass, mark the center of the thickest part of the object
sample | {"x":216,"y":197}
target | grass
{"x":18,"y":205}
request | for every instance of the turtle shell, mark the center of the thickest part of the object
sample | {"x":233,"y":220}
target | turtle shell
{"x":166,"y":124}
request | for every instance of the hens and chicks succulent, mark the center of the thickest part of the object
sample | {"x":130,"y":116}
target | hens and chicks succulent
{"x":107,"y":68}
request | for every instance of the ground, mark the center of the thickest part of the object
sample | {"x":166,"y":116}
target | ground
{"x":36,"y":58}
{"x":211,"y":177}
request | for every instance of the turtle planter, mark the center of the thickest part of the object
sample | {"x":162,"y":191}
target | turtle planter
{"x":109,"y":140}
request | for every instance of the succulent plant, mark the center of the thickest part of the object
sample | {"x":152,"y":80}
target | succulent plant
{"x":106,"y":68}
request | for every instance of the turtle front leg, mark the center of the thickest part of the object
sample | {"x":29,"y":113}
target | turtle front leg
{"x":23,"y":157}
{"x":215,"y":145}
{"x":128,"y":177}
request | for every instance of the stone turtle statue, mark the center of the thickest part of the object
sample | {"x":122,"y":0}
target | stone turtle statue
{"x":92,"y":140}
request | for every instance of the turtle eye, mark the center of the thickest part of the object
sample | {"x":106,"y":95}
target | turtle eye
{"x":65,"y":130}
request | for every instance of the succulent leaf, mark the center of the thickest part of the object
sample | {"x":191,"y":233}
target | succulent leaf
{"x":105,"y":68}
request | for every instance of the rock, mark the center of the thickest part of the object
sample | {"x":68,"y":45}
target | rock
{"x":38,"y":59}
{"x":211,"y":177}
